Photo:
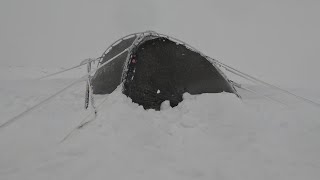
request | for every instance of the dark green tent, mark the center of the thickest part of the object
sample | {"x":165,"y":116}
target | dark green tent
{"x":156,"y":68}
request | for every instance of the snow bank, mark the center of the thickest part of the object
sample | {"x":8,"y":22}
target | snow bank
{"x":208,"y":136}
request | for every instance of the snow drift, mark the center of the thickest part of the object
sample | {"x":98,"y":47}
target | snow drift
{"x":198,"y":139}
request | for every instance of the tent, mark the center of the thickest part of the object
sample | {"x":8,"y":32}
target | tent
{"x":154,"y":68}
{"x":151,"y":68}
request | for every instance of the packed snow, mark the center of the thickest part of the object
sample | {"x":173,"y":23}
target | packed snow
{"x":207,"y":136}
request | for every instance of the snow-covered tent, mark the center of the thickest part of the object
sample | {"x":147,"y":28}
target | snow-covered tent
{"x":154,"y":68}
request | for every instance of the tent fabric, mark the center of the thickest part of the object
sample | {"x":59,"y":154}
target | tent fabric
{"x":159,"y":69}
{"x":108,"y":78}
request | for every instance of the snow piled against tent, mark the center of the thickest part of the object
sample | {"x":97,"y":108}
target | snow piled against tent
{"x":208,"y":136}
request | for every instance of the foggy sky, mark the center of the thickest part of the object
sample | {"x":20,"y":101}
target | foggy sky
{"x":275,"y":40}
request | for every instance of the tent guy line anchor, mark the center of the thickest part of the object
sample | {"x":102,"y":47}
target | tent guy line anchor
{"x":83,"y":78}
{"x":253,"y":79}
{"x":84,"y":122}
{"x":84,"y":62}
{"x":259,"y":94}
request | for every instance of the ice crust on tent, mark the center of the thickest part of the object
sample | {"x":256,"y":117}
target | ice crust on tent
{"x":155,"y":63}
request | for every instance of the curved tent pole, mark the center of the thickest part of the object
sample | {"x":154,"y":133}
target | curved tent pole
{"x":117,"y":42}
{"x":138,"y":39}
{"x":86,"y":61}
{"x":203,"y":55}
{"x":143,"y":34}
{"x":251,"y":77}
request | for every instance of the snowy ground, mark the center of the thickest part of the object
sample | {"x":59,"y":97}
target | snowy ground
{"x":209,"y":136}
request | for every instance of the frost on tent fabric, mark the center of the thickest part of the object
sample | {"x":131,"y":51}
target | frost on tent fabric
{"x":156,"y":69}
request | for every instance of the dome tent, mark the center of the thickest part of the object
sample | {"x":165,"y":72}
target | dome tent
{"x":153,"y":68}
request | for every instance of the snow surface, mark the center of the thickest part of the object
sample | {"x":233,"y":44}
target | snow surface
{"x":208,"y":136}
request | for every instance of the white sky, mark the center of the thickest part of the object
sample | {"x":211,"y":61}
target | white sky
{"x":275,"y":40}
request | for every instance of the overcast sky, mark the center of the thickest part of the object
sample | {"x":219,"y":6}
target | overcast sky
{"x":275,"y":40}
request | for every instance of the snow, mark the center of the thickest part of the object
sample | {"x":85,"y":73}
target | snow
{"x":208,"y":136}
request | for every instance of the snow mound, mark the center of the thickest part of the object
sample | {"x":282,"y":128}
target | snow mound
{"x":208,"y":136}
